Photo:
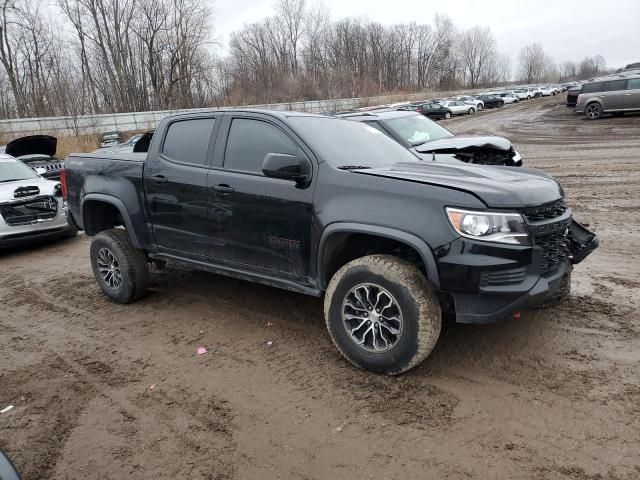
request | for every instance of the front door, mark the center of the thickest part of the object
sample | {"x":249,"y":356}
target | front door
{"x":176,"y":187}
{"x":264,"y":223}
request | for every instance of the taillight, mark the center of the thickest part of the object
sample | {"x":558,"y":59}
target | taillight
{"x":63,"y":182}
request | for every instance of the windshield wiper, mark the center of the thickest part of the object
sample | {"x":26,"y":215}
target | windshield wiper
{"x":353,"y":167}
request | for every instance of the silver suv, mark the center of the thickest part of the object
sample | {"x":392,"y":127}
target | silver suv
{"x":612,"y":95}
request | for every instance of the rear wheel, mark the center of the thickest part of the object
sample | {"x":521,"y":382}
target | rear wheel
{"x":381,"y":314}
{"x":593,"y":111}
{"x":121,"y":270}
{"x":480,"y":107}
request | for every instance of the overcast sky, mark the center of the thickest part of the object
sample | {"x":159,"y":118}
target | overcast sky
{"x":567,"y":29}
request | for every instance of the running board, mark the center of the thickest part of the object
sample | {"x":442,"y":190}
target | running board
{"x":237,"y":273}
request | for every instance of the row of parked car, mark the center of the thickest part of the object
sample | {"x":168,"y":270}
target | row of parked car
{"x":615,"y":94}
{"x":445,"y":108}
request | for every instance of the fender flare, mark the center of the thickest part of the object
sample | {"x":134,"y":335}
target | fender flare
{"x":407,"y":238}
{"x":119,"y":204}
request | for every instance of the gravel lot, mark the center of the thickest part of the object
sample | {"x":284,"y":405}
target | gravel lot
{"x":104,"y":391}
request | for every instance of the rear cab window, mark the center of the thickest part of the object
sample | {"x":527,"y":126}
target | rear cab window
{"x":187,"y":141}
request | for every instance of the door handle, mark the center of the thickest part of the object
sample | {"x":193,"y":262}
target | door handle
{"x":223,"y":188}
{"x":158,"y":179}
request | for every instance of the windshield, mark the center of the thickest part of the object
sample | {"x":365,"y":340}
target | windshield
{"x":11,"y":170}
{"x":417,"y":129}
{"x":346,"y":143}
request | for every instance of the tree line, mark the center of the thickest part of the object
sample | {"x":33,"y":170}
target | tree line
{"x":97,"y":56}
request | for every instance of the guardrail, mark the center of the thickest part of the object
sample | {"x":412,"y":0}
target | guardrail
{"x":134,"y":121}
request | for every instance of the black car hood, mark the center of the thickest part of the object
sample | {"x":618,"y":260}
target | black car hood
{"x":460,"y":142}
{"x":498,"y":187}
{"x":32,"y":145}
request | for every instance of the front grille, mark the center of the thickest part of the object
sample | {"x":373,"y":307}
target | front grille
{"x":555,"y":250}
{"x":27,"y":212}
{"x":546,"y":211}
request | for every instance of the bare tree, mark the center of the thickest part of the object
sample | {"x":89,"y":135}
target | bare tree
{"x":532,"y":63}
{"x":477,"y":50}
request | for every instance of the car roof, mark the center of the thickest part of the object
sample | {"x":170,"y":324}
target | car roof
{"x":384,"y":115}
{"x":282,"y":114}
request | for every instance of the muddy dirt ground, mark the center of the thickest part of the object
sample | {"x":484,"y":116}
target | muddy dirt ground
{"x":104,"y":391}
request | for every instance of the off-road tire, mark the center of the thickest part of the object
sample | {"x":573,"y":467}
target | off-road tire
{"x":560,"y":296}
{"x":421,"y":316}
{"x":133,"y":266}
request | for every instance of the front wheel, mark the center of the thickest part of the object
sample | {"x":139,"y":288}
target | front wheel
{"x":593,"y":111}
{"x":447,"y":115}
{"x":381,"y":314}
{"x":528,"y":97}
{"x":471,"y":111}
{"x":121,"y":270}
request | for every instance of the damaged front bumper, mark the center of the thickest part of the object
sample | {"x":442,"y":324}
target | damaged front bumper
{"x":503,"y":280}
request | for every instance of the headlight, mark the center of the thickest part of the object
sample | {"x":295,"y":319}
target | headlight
{"x":489,"y":226}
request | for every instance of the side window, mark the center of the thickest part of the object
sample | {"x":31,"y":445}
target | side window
{"x":592,"y":87}
{"x":249,"y":142}
{"x":613,"y":85}
{"x":188,"y":140}
{"x":634,"y":84}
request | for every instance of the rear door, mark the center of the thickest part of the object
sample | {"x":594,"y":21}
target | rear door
{"x":613,"y":96}
{"x":632,"y":95}
{"x":176,"y":186}
{"x":265,"y":223}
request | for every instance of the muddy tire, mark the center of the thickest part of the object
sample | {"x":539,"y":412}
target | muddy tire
{"x":121,"y":270}
{"x":382,"y":314}
{"x":560,"y":296}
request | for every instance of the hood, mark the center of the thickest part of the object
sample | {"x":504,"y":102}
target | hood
{"x":21,"y":189}
{"x":497,"y":187}
{"x":460,"y":142}
{"x":32,"y":145}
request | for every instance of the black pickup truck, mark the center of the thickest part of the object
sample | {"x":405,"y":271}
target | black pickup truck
{"x":322,"y":205}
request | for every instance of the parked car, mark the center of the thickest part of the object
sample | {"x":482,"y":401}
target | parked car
{"x":572,"y":95}
{"x":491,"y":101}
{"x":508,"y":97}
{"x":520,"y":94}
{"x":479,"y":104}
{"x":545,"y":91}
{"x":431,"y":110}
{"x":38,"y":152}
{"x":7,"y":469}
{"x":110,"y":138}
{"x":430,"y":141}
{"x":458,"y":108}
{"x":124,"y":147}
{"x":31,"y":207}
{"x":324,"y":206}
{"x":615,"y":96}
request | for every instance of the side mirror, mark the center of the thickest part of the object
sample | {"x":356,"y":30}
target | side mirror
{"x":7,"y":470}
{"x":286,"y":167}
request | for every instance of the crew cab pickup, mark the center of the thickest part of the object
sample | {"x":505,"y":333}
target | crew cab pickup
{"x":326,"y":206}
